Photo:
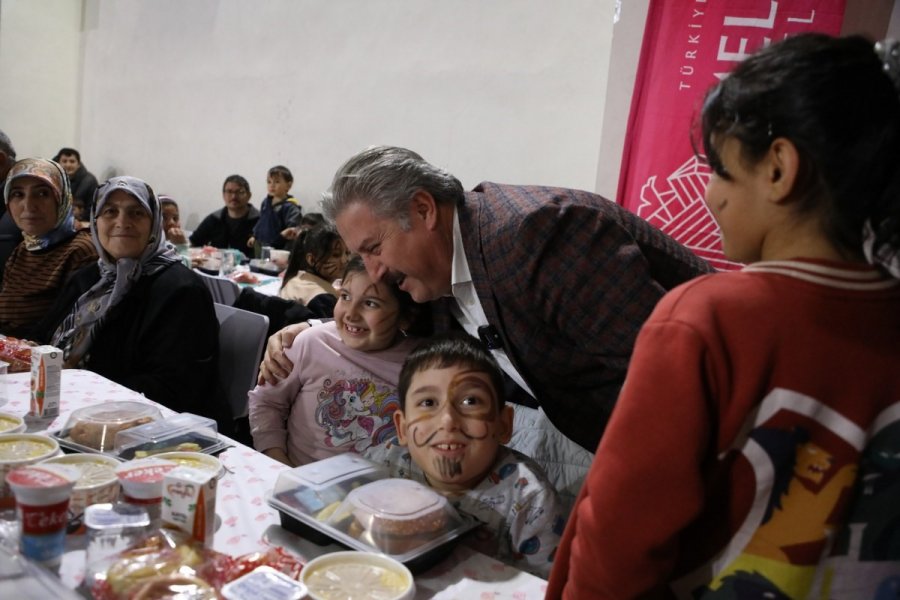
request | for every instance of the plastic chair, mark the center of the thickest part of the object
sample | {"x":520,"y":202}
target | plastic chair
{"x":223,"y":290}
{"x":242,"y":336}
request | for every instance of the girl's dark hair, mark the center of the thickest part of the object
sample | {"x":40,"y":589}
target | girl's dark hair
{"x":408,"y":308}
{"x":446,"y":350}
{"x":238,"y":179}
{"x":317,"y":241}
{"x":831,"y":98}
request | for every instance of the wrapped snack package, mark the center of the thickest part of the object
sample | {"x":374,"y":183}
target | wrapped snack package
{"x":17,"y":353}
{"x":166,"y":561}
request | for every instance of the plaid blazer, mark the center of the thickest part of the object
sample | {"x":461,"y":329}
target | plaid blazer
{"x":567,"y":278}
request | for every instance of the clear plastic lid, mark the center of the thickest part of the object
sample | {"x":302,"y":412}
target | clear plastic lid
{"x":354,"y":502}
{"x":94,"y":428}
{"x":179,"y":433}
{"x":311,"y":489}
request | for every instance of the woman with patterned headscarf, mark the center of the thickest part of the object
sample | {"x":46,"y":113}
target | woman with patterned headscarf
{"x":40,"y":202}
{"x":138,"y":316}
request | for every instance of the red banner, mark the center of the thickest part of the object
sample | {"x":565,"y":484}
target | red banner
{"x":688,"y":44}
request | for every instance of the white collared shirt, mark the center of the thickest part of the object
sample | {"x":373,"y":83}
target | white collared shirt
{"x":468,"y":310}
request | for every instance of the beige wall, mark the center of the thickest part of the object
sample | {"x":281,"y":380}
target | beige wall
{"x":183,"y":93}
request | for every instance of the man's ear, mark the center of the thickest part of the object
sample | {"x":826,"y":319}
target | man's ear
{"x":424,"y":207}
{"x":505,"y":424}
{"x":400,"y":425}
{"x":782,"y":165}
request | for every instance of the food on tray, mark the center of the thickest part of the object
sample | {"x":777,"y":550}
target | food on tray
{"x":183,"y":447}
{"x":398,"y":515}
{"x":96,"y":427}
{"x":99,"y":435}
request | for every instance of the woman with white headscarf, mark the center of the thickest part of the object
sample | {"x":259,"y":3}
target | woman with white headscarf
{"x":39,"y":200}
{"x":139,"y":316}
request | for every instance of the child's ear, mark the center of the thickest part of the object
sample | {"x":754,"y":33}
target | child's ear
{"x":400,"y":426}
{"x":782,"y":165}
{"x":505,"y":421}
{"x":310,"y":259}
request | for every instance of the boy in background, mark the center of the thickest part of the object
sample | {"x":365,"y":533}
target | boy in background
{"x":451,"y":427}
{"x":279,"y":214}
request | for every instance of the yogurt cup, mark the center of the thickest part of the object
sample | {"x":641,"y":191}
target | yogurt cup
{"x":18,"y":450}
{"x":42,"y":495}
{"x":97,"y":482}
{"x":142,"y":482}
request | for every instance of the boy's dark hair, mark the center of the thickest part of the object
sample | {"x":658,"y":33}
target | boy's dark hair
{"x":446,"y":350}
{"x":282,"y":172}
{"x":238,"y":179}
{"x":67,"y":152}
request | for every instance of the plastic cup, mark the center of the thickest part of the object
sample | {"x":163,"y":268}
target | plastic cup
{"x":42,"y":502}
{"x":142,"y":483}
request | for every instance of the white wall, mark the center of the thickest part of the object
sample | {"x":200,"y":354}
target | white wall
{"x":40,"y":71}
{"x":184,"y":93}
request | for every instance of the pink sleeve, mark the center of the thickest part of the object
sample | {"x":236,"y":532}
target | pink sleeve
{"x":270,"y":405}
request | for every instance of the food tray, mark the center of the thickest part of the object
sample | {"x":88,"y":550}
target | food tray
{"x":266,"y":267}
{"x":94,"y":428}
{"x":183,"y":432}
{"x":334,"y":501}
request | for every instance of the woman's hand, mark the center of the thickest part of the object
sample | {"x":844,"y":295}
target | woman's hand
{"x":275,"y":365}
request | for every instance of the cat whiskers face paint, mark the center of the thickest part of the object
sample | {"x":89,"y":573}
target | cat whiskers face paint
{"x":452,"y":425}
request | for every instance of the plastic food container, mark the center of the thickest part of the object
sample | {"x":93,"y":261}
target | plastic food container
{"x":96,"y":484}
{"x":142,"y":482}
{"x":357,"y":576}
{"x":94,"y":428}
{"x":20,"y":449}
{"x":179,"y":433}
{"x":10,"y":423}
{"x":352,"y":501}
{"x":264,"y":583}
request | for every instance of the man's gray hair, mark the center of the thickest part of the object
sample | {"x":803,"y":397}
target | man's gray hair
{"x":386,"y":178}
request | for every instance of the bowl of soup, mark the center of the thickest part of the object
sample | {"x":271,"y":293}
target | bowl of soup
{"x":10,"y":423}
{"x":195,"y":460}
{"x":97,"y":482}
{"x":20,"y":449}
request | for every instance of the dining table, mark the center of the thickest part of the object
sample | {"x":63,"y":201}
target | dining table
{"x":245,"y":522}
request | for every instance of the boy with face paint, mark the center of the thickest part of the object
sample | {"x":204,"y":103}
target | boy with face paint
{"x":451,"y":427}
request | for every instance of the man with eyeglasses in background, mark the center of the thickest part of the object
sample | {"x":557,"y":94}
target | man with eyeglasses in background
{"x":232,"y":226}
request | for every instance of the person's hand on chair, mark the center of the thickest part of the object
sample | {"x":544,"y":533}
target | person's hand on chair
{"x":275,"y":365}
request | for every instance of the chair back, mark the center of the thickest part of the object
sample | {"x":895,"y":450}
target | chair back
{"x":223,"y":290}
{"x":242,"y":336}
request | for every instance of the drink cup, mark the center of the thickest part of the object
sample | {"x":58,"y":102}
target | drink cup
{"x":142,"y":483}
{"x":42,"y":501}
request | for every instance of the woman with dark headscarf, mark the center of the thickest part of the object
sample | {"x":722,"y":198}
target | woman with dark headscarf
{"x":138,"y":316}
{"x":39,"y":200}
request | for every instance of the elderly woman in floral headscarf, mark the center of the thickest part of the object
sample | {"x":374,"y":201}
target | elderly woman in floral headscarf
{"x":40,"y":202}
{"x":138,"y":316}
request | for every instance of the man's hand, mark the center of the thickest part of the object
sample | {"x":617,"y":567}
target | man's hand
{"x":275,"y":365}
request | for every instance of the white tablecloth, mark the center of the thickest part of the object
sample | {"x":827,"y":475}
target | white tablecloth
{"x":248,"y":524}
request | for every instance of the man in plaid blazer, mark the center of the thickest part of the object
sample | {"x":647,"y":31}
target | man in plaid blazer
{"x":556,"y":282}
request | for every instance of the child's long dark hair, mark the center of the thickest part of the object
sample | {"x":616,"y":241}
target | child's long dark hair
{"x":318,"y":241}
{"x":831,"y":97}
